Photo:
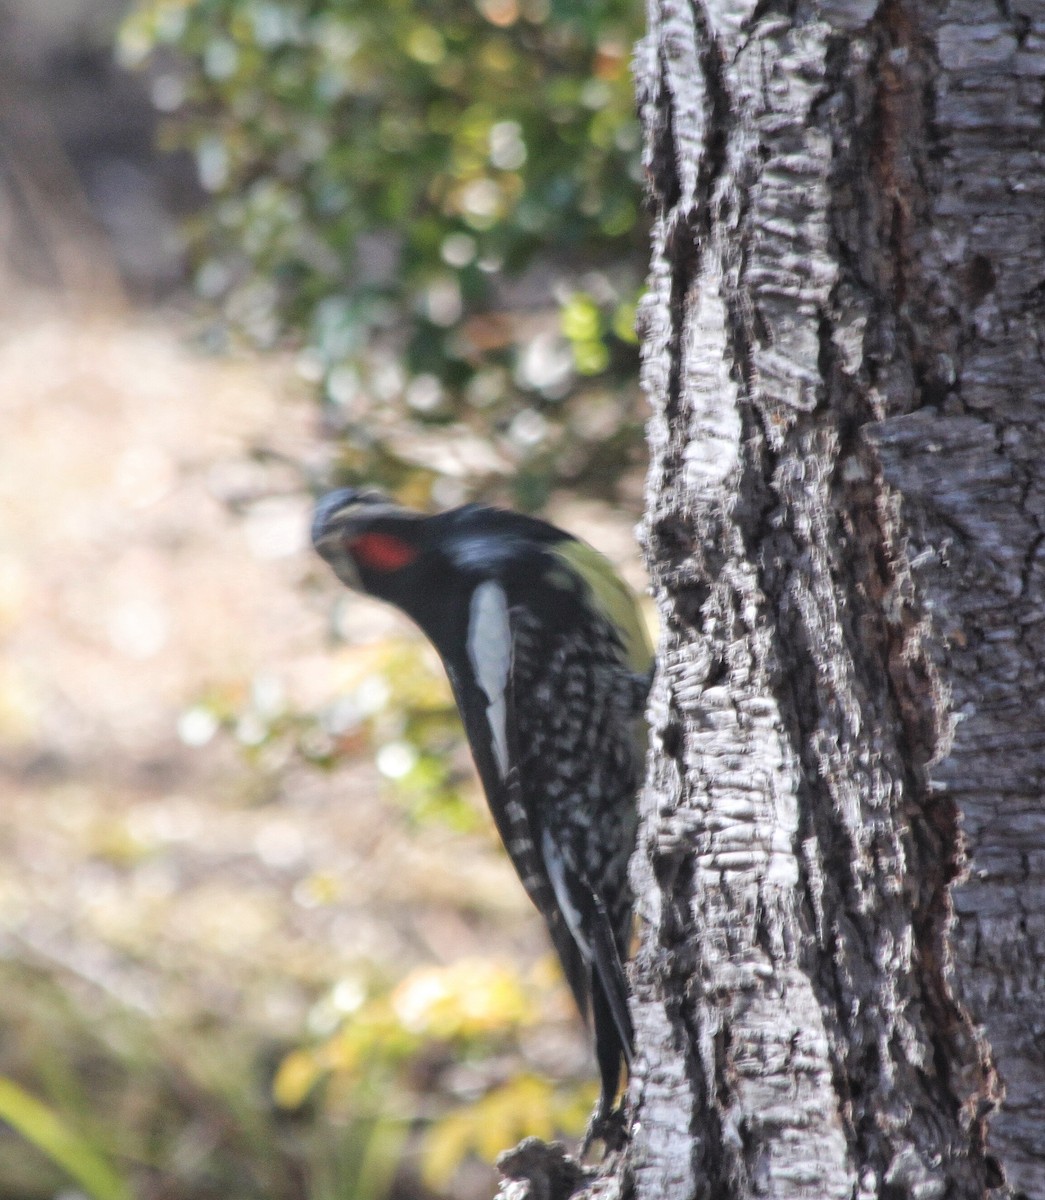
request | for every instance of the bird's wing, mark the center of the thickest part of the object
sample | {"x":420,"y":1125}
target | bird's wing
{"x":592,"y":932}
{"x":610,"y":972}
{"x":530,"y":865}
{"x":488,"y":708}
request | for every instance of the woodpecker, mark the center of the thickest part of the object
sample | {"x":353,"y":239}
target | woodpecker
{"x":550,"y":665}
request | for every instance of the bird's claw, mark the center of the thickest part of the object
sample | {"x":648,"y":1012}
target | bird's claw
{"x":609,"y":1127}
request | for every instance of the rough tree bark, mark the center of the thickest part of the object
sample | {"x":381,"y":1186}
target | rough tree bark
{"x":844,"y":354}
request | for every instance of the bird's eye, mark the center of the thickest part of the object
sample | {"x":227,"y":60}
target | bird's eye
{"x":382,"y":552}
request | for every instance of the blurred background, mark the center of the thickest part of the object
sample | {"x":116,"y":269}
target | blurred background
{"x":256,"y":936}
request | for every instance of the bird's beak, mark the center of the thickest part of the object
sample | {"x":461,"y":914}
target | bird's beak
{"x":328,"y":523}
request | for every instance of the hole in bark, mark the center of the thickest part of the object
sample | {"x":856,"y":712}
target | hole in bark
{"x":995,"y":1174}
{"x":691,"y":605}
{"x":671,"y":740}
{"x":980,"y":278}
{"x":672,"y":540}
{"x":717,"y":672}
{"x":723,"y":1042}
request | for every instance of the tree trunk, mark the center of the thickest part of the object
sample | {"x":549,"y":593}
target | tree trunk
{"x":843,"y":341}
{"x":843,"y":351}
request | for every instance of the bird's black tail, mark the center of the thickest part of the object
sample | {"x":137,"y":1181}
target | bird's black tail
{"x":614,"y":1034}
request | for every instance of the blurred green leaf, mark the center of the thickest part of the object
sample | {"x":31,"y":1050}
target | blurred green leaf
{"x":580,"y":318}
{"x":46,"y":1130}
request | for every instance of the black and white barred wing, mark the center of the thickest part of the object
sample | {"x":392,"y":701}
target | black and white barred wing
{"x":490,"y":718}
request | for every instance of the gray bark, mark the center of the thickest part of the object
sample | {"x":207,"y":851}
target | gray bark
{"x":843,"y":352}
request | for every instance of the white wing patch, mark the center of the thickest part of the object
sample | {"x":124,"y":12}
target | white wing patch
{"x":490,"y":653}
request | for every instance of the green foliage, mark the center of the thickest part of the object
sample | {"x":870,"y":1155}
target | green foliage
{"x":408,"y":190}
{"x":117,"y":1101}
{"x":397,"y":694}
{"x":393,"y":702}
{"x":434,"y":1021}
{"x":43,"y":1128}
{"x":525,"y":1106}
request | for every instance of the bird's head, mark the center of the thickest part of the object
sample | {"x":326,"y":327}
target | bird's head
{"x":370,"y":542}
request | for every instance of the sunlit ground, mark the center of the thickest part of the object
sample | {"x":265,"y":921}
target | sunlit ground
{"x":184,"y":898}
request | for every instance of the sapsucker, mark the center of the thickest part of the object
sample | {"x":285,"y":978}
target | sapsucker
{"x":549,"y":662}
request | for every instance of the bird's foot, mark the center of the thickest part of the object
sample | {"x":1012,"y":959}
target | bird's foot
{"x":609,"y":1126}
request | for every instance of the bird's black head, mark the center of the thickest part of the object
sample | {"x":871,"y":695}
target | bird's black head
{"x":372,"y":544}
{"x":430,"y":565}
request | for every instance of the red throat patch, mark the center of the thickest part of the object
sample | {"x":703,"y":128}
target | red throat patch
{"x":382,"y":551}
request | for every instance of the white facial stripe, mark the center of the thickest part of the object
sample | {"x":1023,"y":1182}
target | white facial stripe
{"x":490,"y":653}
